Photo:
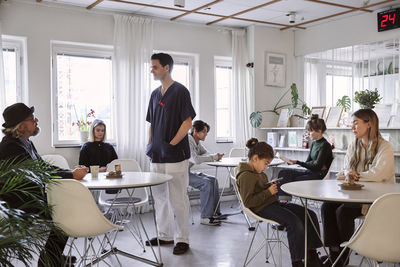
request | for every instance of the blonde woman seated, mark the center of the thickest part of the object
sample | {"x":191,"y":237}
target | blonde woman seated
{"x":369,"y":158}
{"x":97,"y":152}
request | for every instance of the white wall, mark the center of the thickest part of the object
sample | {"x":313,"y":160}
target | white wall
{"x":41,"y":23}
{"x":353,"y":30}
{"x":270,"y":40}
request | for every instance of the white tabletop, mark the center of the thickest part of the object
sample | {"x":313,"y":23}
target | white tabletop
{"x":329,"y":190}
{"x":128,"y":180}
{"x":234,"y":162}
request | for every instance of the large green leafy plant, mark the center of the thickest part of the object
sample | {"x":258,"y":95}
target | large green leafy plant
{"x":256,"y":117}
{"x":367,"y":98}
{"x":24,"y":214}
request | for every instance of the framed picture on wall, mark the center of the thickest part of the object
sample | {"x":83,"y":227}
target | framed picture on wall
{"x":275,"y":69}
{"x":283,"y":120}
{"x":320,"y":111}
{"x":334,"y":115}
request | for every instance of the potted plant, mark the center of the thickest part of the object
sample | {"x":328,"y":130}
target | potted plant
{"x":367,"y":98}
{"x":84,"y":124}
{"x":256,"y":116}
{"x":344,"y":102}
{"x":24,"y":224}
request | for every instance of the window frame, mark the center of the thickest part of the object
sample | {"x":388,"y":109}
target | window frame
{"x":224,"y":62}
{"x":18,"y":44}
{"x":82,"y":50}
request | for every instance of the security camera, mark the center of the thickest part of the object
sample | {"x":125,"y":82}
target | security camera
{"x":179,"y":3}
{"x":292,"y":17}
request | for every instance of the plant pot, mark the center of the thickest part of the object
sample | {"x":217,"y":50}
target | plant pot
{"x":84,"y":136}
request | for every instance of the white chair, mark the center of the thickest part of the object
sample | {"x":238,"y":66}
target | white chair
{"x":275,"y":238}
{"x":238,"y":152}
{"x":241,"y":206}
{"x":120,"y":205}
{"x":379,"y":235}
{"x":76,"y":213}
{"x":56,"y":160}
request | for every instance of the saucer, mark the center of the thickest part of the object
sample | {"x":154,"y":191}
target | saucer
{"x":345,"y":186}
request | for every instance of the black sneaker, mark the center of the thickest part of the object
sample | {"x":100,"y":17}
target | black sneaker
{"x":220,"y":216}
{"x":313,"y":260}
{"x":180,"y":248}
{"x":278,"y":227}
{"x":210,"y":221}
{"x":153,"y":242}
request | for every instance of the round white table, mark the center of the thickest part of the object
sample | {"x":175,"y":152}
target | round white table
{"x":329,"y":190}
{"x":229,"y":163}
{"x":130,"y":180}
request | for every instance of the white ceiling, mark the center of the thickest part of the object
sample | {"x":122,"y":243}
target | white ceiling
{"x":274,"y":13}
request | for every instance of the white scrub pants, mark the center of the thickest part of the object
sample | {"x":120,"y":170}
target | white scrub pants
{"x":171,"y":199}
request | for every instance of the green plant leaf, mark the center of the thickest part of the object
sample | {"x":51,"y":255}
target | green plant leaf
{"x":295,"y":95}
{"x":256,"y":119}
{"x":367,"y":98}
{"x":390,"y":68}
{"x":344,"y":102}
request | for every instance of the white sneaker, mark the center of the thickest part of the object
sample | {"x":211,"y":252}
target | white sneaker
{"x":210,"y":221}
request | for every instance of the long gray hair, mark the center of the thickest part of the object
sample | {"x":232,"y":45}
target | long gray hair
{"x":374,"y":137}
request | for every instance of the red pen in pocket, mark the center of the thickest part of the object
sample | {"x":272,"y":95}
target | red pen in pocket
{"x":161,"y":104}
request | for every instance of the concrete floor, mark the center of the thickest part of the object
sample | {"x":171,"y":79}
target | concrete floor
{"x":219,"y":246}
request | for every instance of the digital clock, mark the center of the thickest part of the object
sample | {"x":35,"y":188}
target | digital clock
{"x":388,"y":20}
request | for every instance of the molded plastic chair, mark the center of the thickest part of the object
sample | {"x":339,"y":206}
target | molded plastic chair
{"x":275,"y":238}
{"x":379,"y":235}
{"x":76,"y":213}
{"x":56,"y":160}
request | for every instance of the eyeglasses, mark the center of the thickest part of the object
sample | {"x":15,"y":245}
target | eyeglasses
{"x":32,"y":118}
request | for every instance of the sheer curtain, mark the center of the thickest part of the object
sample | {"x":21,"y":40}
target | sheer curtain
{"x":242,"y":88}
{"x":2,"y":82}
{"x":314,"y":82}
{"x":133,"y":47}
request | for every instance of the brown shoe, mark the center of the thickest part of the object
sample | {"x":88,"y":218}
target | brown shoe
{"x":153,"y":242}
{"x":180,"y":248}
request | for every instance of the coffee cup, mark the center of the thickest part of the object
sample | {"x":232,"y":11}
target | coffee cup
{"x":95,"y":171}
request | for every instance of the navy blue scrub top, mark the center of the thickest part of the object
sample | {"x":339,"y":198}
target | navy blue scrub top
{"x":166,"y":115}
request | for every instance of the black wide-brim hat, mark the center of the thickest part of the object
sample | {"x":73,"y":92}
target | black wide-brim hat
{"x":16,"y":113}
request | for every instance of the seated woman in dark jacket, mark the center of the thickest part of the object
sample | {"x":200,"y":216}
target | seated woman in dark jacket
{"x":96,"y":151}
{"x":318,"y":161}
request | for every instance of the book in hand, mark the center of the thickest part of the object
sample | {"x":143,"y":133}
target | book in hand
{"x":274,"y":181}
{"x":284,"y":158}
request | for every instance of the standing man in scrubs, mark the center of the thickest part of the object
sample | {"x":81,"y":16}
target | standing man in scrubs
{"x":170,"y":114}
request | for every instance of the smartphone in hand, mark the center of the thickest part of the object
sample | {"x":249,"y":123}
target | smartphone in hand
{"x":274,"y":181}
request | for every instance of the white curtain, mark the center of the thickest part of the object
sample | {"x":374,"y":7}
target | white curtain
{"x":242,"y":88}
{"x":2,"y":83}
{"x":133,"y":47}
{"x":314,"y":82}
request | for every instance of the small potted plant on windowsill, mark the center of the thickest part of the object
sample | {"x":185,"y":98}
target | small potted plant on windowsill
{"x":84,"y":124}
{"x":367,"y":98}
{"x":256,"y":116}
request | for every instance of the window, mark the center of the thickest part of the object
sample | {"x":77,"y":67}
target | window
{"x":182,"y":72}
{"x":224,"y":100}
{"x":14,"y":49}
{"x":82,"y":81}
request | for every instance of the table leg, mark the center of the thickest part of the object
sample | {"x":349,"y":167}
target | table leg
{"x":305,"y":232}
{"x":223,"y":188}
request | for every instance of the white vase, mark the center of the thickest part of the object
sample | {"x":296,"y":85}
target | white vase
{"x":84,"y":136}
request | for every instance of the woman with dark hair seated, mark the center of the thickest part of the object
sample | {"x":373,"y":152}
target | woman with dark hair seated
{"x":318,"y":161}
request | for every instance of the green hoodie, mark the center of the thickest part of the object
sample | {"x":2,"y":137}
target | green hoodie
{"x":253,"y":189}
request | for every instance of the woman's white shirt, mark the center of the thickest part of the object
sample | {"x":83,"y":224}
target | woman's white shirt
{"x":382,"y":167}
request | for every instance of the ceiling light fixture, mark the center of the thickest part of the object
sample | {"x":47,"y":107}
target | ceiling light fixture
{"x":179,"y":3}
{"x":292,"y":17}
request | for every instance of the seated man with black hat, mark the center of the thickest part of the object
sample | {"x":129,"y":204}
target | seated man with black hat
{"x":20,"y":124}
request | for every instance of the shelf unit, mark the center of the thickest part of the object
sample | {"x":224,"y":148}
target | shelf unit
{"x":342,"y":137}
